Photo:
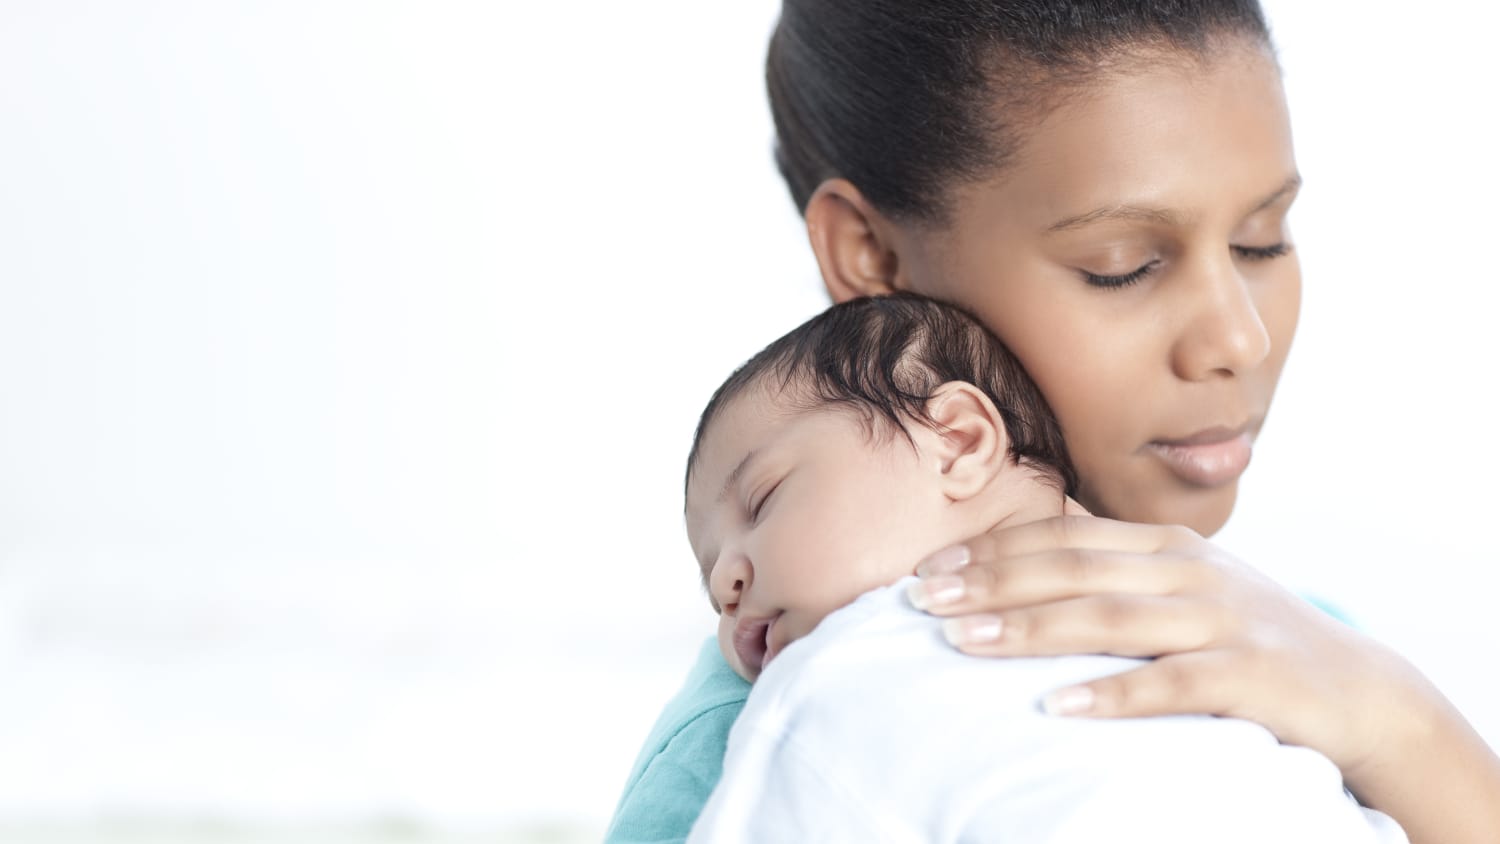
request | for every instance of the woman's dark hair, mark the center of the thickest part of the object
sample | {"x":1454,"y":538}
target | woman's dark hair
{"x":905,"y":98}
{"x":883,"y":357}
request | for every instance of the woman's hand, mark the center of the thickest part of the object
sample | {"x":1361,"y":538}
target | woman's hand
{"x":1226,"y":641}
{"x":1229,"y":641}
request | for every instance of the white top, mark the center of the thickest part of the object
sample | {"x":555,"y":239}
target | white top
{"x":873,"y":729}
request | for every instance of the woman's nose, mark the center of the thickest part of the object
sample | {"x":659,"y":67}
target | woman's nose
{"x":730,"y":578}
{"x":1225,"y":334}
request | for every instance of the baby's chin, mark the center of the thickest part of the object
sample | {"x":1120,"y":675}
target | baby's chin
{"x":726,"y":648}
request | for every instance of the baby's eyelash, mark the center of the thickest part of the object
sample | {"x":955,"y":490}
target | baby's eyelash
{"x":756,"y":506}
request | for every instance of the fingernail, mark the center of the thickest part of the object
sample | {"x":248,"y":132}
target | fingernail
{"x":972,"y":630}
{"x":946,"y":561}
{"x":1069,"y":701}
{"x":935,"y":591}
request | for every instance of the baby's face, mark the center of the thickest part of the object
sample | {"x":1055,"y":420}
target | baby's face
{"x":793,"y":514}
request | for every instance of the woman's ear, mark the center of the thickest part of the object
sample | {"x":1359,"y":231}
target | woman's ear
{"x":851,"y":241}
{"x":970,"y":447}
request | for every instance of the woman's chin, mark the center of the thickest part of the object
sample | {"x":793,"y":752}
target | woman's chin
{"x":1205,"y":510}
{"x":1214,"y":512}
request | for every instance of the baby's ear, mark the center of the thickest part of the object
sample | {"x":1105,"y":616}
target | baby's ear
{"x":970,"y":446}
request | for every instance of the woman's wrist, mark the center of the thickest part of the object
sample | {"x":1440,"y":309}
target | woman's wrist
{"x":1429,"y":769}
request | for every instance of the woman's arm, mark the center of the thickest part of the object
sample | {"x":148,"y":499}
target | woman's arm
{"x":1226,"y":641}
{"x":1437,"y":776}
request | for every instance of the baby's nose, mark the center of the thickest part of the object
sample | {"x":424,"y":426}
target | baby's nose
{"x":729,"y":580}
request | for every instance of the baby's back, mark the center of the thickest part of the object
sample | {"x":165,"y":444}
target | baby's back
{"x":872,"y":728}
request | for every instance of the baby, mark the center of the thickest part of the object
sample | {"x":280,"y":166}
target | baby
{"x":874,"y":434}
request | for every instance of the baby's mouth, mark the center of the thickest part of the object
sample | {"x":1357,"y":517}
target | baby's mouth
{"x":751,"y":637}
{"x":772,"y":648}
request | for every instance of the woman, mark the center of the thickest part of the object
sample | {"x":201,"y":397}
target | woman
{"x":1106,"y":185}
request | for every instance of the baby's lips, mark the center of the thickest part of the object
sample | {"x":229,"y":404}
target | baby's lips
{"x":750,"y":641}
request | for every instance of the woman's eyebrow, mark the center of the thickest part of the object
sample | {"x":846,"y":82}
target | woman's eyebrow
{"x":1290,"y":186}
{"x":1160,"y":216}
{"x":1132,"y":213}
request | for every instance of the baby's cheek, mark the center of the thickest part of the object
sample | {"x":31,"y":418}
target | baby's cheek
{"x":726,"y":637}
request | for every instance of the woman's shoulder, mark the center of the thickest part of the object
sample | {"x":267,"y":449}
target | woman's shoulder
{"x":683,"y":755}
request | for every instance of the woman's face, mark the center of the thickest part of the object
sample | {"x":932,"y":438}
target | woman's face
{"x":1135,"y":256}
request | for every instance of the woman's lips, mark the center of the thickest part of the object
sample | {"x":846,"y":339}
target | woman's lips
{"x":1208,"y":458}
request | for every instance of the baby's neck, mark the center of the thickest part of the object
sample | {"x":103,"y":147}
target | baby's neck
{"x":1016,"y":496}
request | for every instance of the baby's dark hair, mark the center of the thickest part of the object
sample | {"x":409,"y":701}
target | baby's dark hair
{"x":883,"y":357}
{"x":906,"y":98}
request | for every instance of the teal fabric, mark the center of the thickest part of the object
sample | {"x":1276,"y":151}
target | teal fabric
{"x":683,"y":756}
{"x":1331,"y":609}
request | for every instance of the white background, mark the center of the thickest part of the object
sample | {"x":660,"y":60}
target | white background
{"x":349,"y":355}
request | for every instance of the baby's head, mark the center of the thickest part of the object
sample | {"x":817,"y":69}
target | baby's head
{"x":877,"y":432}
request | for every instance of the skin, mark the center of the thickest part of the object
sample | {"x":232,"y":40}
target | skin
{"x":1199,"y":341}
{"x":1177,"y":171}
{"x":780,"y":502}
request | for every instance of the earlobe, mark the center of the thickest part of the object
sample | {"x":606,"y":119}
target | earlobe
{"x":971,"y":447}
{"x":851,"y":241}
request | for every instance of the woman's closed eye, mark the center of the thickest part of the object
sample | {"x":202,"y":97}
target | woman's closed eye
{"x":1122,"y":280}
{"x":1248,"y":253}
{"x":1261,"y":253}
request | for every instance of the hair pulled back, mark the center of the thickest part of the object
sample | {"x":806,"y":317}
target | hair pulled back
{"x":906,"y":98}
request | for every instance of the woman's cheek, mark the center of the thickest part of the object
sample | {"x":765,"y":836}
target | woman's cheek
{"x":1102,"y":463}
{"x":1101,"y":398}
{"x":1280,"y":306}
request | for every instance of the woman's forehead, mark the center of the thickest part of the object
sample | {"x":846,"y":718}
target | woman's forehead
{"x":1200,"y":137}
